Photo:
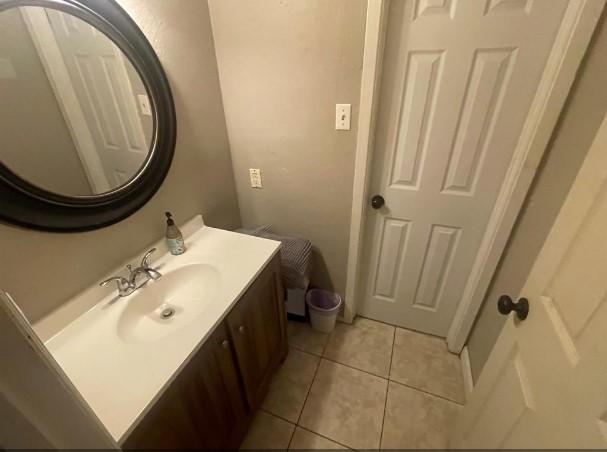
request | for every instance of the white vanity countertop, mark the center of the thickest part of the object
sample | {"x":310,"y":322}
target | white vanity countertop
{"x":121,"y":379}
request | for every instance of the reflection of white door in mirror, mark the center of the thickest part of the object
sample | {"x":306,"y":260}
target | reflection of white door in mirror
{"x":97,"y":90}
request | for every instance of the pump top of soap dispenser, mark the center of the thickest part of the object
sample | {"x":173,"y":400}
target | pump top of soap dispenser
{"x":169,"y":216}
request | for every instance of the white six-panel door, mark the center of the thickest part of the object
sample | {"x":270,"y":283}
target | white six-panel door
{"x":458,"y":81}
{"x":545,"y":383}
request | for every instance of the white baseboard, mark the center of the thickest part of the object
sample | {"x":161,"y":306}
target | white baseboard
{"x":467,"y":371}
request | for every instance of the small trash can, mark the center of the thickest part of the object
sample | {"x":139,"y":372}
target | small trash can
{"x":323,"y":307}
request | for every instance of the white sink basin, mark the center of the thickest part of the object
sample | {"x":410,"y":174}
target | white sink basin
{"x":167,"y":305}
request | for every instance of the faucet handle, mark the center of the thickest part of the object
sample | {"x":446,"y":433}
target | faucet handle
{"x":144,"y":261}
{"x":129,"y":267}
{"x":122,"y":282}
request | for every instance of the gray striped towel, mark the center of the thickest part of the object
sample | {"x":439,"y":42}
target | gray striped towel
{"x":295,"y":256}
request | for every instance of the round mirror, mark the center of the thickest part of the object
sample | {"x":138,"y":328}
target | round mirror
{"x":87,"y":123}
{"x":75,"y":114}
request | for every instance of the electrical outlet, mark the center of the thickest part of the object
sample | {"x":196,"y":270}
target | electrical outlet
{"x":255,"y":176}
{"x":342,"y":116}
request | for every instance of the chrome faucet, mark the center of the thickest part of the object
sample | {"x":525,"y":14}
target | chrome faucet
{"x":137,"y":276}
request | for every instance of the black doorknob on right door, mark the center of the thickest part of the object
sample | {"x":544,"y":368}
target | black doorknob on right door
{"x":377,"y":201}
{"x":505,"y":306}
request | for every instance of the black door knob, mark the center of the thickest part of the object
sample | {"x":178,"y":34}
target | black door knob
{"x":505,"y":306}
{"x":377,"y":201}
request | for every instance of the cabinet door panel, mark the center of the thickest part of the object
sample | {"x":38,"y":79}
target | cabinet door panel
{"x":233,"y":409}
{"x":240,"y":323}
{"x":270,"y":307}
{"x":258,"y":328}
{"x":202,"y":396}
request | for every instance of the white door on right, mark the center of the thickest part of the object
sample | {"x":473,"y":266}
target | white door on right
{"x":458,"y":81}
{"x":545,"y":383}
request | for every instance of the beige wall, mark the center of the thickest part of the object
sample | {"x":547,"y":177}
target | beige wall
{"x":42,"y":270}
{"x":583,"y":113}
{"x":35,"y":141}
{"x":283,"y":66}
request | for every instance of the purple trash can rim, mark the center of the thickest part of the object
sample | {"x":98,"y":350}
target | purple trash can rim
{"x":323,"y":300}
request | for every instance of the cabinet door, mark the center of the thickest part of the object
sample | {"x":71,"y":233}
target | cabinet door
{"x":203,"y":408}
{"x":257,"y":326}
{"x":225,"y":393}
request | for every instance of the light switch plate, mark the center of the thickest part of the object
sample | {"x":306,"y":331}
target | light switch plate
{"x":342,"y":116}
{"x":255,"y":176}
{"x":144,"y":104}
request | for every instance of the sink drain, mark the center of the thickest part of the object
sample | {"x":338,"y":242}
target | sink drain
{"x":167,"y":313}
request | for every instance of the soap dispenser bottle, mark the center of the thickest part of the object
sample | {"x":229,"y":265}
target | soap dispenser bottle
{"x":174,"y":238}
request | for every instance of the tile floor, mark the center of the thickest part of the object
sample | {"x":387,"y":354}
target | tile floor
{"x":364,"y":386}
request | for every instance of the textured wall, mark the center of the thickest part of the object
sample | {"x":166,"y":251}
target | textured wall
{"x":283,"y":66}
{"x":581,"y":118}
{"x":42,"y":270}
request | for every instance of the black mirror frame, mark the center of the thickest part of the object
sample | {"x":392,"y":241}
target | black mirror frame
{"x":26,"y":205}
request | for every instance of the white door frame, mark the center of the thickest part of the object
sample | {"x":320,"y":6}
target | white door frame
{"x":570,"y":45}
{"x":49,"y":52}
{"x":375,"y":36}
{"x":49,"y":401}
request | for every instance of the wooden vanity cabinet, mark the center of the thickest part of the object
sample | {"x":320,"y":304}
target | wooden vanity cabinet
{"x":210,"y":402}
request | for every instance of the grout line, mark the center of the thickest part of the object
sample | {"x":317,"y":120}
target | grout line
{"x":303,"y":428}
{"x":405,"y":328}
{"x":300,"y":349}
{"x":309,"y":390}
{"x":355,"y":368}
{"x":297,"y":424}
{"x":276,"y":415}
{"x":282,"y":419}
{"x":325,"y":437}
{"x":383,"y":420}
{"x":313,"y":355}
{"x":427,"y":392}
{"x":291,"y":438}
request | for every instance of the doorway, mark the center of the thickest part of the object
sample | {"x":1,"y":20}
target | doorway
{"x":457,"y":126}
